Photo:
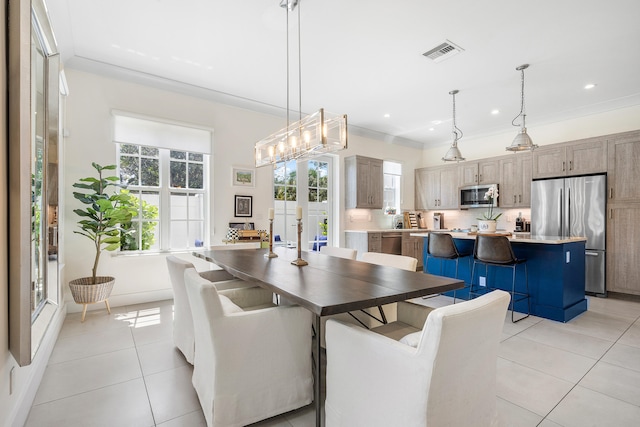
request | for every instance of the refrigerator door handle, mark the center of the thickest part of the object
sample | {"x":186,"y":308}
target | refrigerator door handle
{"x":567,"y":226}
{"x":591,"y":253}
{"x":560,"y":206}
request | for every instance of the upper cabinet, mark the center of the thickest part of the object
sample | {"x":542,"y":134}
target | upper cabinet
{"x":482,"y":172}
{"x":436,"y":188}
{"x":364,"y":182}
{"x":570,"y":159}
{"x":624,"y":172}
{"x":515,"y":181}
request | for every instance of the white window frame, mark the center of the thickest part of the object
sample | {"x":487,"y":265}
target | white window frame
{"x":393,"y":170}
{"x":164,"y":135}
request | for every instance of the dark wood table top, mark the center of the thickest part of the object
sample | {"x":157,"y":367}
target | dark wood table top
{"x":329,"y":285}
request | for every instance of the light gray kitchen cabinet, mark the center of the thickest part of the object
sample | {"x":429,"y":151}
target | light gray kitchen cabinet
{"x":515,"y":181}
{"x":482,"y":172}
{"x":436,"y":188}
{"x":623,"y":250}
{"x":570,"y":158}
{"x":363,"y":182}
{"x":623,"y":176}
{"x":623,"y":213}
{"x":412,"y":246}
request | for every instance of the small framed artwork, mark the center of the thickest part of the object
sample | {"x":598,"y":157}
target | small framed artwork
{"x":243,"y":176}
{"x":243,"y":206}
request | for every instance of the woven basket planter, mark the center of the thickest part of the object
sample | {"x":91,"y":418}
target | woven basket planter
{"x":85,"y":293}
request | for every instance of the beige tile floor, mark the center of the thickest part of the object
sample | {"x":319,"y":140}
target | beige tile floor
{"x":122,"y":370}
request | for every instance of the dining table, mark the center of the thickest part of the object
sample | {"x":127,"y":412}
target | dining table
{"x":328,"y":285}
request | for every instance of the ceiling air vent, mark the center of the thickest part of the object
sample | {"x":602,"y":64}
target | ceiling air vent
{"x":443,"y":51}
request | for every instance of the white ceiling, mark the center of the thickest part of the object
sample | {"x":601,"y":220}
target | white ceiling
{"x":364,"y":57}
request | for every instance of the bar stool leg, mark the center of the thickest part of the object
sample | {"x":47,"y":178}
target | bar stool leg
{"x":526,"y":295}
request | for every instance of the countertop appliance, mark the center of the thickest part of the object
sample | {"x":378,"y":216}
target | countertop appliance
{"x":574,"y":207}
{"x":472,"y":196}
{"x":438,"y":220}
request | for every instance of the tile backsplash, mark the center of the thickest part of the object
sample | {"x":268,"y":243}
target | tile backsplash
{"x":374,"y":219}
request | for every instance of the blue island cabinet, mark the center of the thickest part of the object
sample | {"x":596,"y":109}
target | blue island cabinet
{"x":556,"y":269}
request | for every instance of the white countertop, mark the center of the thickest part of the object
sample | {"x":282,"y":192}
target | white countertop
{"x":390,"y":230}
{"x":517,"y":237}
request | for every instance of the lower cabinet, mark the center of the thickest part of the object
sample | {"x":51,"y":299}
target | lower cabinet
{"x":412,"y":246}
{"x":623,"y":250}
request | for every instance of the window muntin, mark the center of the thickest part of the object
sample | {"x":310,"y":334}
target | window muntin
{"x":169,"y":194}
{"x":392,"y":175}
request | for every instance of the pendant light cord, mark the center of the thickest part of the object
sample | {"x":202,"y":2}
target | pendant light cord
{"x":287,"y":74}
{"x":455,"y":130}
{"x":522,"y":113}
{"x":299,"y":69}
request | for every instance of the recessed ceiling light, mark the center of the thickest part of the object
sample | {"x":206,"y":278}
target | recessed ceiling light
{"x":436,"y":122}
{"x":432,"y":129}
{"x":590,"y":86}
{"x":386,"y":116}
{"x":494,"y":112}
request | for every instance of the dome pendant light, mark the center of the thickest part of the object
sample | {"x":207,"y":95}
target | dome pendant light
{"x":522,"y":141}
{"x":453,"y":154}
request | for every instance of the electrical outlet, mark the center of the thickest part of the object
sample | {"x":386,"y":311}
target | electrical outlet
{"x":483,"y":281}
{"x":11,"y":379}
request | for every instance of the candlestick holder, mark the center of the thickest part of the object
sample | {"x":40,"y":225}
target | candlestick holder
{"x":271,"y":254}
{"x":299,"y":262}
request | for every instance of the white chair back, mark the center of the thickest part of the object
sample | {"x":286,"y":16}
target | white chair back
{"x":339,"y":252}
{"x":250,"y":365}
{"x":448,"y":379}
{"x":183,"y":335}
{"x":390,"y":260}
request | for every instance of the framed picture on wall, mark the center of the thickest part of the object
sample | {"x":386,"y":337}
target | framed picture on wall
{"x":243,"y":206}
{"x":243,"y":176}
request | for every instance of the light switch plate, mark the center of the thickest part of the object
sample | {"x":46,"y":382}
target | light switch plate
{"x":568,"y":260}
{"x":483,"y":281}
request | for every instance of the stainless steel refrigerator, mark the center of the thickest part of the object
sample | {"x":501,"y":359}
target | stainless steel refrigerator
{"x":572,"y":207}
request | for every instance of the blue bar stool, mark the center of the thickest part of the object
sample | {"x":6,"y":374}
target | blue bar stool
{"x":442,"y":247}
{"x":496,"y":251}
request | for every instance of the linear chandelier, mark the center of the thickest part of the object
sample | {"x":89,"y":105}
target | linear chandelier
{"x":316,"y":134}
{"x":522,"y":141}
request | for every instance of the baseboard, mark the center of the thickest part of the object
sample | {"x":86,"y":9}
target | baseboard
{"x":37,"y":369}
{"x":125,"y":299}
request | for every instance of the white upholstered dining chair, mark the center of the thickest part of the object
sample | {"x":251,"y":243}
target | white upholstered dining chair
{"x":183,"y":337}
{"x":390,"y":260}
{"x":250,"y":363}
{"x":339,"y":252}
{"x":445,"y":375}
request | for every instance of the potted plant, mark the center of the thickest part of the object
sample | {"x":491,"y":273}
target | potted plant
{"x":488,"y":222}
{"x":101,"y":222}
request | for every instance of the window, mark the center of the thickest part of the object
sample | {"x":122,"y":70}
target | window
{"x":168,"y":187}
{"x":392,"y":184}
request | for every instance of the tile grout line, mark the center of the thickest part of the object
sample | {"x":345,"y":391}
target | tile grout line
{"x":587,"y":373}
{"x":144,"y":379}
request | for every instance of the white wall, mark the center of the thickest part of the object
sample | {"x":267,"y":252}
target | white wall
{"x":92,"y":97}
{"x":621,"y":120}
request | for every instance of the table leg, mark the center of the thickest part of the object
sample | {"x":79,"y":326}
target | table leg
{"x":318,"y":373}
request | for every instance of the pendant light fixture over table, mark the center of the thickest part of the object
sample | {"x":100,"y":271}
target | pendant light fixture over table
{"x":522,"y":141}
{"x":454,"y":155}
{"x":318,"y":133}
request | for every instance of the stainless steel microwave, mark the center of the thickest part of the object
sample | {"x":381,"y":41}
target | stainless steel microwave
{"x":472,"y":196}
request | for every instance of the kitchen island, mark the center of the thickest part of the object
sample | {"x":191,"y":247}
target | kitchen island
{"x":556,"y":267}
